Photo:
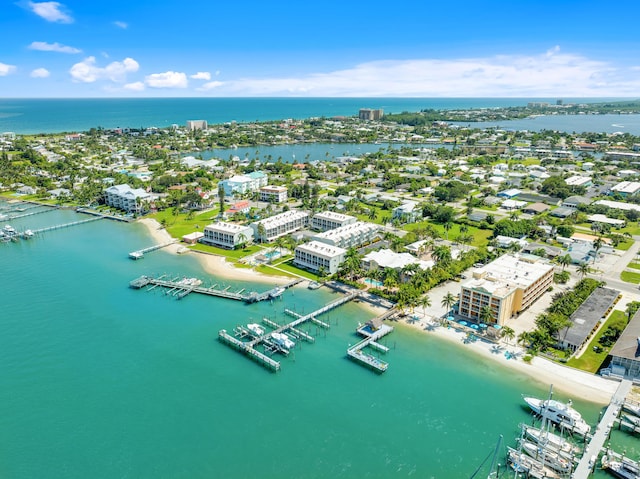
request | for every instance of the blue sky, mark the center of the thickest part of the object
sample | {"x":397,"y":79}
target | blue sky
{"x":347,"y":48}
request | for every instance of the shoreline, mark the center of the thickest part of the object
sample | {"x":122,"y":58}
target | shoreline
{"x":211,"y":263}
{"x":586,"y":386}
{"x":578,"y":384}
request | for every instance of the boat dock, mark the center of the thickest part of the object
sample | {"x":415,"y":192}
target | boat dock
{"x":179,"y":288}
{"x":64,"y":225}
{"x":603,"y":429}
{"x":31,"y":213}
{"x":141,"y":252}
{"x":289,"y":329}
{"x":372,"y":331}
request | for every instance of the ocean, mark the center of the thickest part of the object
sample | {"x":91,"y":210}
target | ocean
{"x":30,"y":116}
{"x":99,"y":380}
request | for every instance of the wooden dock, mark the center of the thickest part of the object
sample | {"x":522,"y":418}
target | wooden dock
{"x":31,"y":213}
{"x":290,"y":329}
{"x":179,"y":288}
{"x":603,"y":429}
{"x":372,"y":331}
{"x":139,"y":254}
{"x":64,"y":225}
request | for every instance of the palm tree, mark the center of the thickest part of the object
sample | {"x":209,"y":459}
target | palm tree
{"x":262,"y":232}
{"x":447,"y":226}
{"x":508,"y":333}
{"x":242,"y":239}
{"x":597,"y":245}
{"x":448,"y":301}
{"x":564,"y":261}
{"x":486,"y":314}
{"x":442,"y":254}
{"x":584,"y":269}
{"x":424,"y":302}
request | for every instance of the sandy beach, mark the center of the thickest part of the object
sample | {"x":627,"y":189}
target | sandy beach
{"x":212,"y":264}
{"x":570,"y":381}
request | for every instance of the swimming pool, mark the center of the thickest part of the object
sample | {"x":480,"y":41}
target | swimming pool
{"x":374,"y":282}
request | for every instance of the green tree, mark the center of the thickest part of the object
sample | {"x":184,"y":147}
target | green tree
{"x":448,"y":301}
{"x":507,"y":333}
{"x":584,"y":269}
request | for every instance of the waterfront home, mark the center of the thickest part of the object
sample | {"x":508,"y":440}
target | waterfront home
{"x":625,"y":354}
{"x":226,"y":235}
{"x":273,"y":227}
{"x":317,"y":256}
{"x":123,"y":197}
{"x":350,"y":235}
{"x":386,"y":258}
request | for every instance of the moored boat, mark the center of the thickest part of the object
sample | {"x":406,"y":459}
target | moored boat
{"x":550,"y":440}
{"x":559,"y":413}
{"x":523,"y":463}
{"x":282,"y":340}
{"x":549,"y":458}
{"x":623,"y":467}
{"x":255,"y":329}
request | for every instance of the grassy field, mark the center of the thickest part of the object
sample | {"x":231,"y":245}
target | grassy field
{"x":590,"y":360}
{"x":181,"y":224}
{"x":630,"y":277}
{"x":480,"y":236}
{"x":232,"y":254}
{"x":633,"y":265}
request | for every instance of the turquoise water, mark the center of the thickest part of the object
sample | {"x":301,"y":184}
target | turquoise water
{"x":27,"y":116}
{"x":102,"y":381}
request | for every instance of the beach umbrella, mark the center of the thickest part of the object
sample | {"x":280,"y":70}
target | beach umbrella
{"x":450,"y":318}
{"x":474,"y":326}
{"x":497,"y":326}
{"x":464,"y":323}
{"x":483,"y":326}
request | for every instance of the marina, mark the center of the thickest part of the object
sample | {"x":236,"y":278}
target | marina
{"x":281,"y":339}
{"x":181,"y":287}
{"x":372,"y":331}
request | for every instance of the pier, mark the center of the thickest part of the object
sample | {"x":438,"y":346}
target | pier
{"x":271,"y":341}
{"x":372,"y":331}
{"x":30,"y":213}
{"x":603,"y":429}
{"x":179,"y":288}
{"x":141,"y":252}
{"x":65,"y":225}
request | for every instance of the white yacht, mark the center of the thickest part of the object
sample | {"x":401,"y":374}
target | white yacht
{"x":549,"y":458}
{"x":550,"y":440}
{"x":623,"y":467}
{"x":255,"y":329}
{"x":27,"y":234}
{"x":282,"y":340}
{"x":560,"y":413}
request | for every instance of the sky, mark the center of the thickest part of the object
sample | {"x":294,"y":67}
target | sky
{"x":330,"y":48}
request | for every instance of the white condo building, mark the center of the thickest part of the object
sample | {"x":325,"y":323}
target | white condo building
{"x":329,"y":220}
{"x":316,"y":255}
{"x":280,"y":225}
{"x":350,"y":235}
{"x":227,"y":235}
{"x":242,"y":184}
{"x":126,"y":198}
{"x":273,"y":194}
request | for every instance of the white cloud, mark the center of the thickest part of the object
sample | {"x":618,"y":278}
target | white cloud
{"x":201,"y":76}
{"x":40,"y":73}
{"x":50,"y":11}
{"x":136,"y":86}
{"x":53,"y":47}
{"x":6,"y":69}
{"x":211,"y":85}
{"x":86,"y":71}
{"x":552,"y":73}
{"x":119,"y":24}
{"x":168,"y":79}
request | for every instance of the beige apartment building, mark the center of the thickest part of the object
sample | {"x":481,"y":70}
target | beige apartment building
{"x":507,"y":285}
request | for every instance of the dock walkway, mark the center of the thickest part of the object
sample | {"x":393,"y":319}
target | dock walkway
{"x":372,"y":331}
{"x":64,"y":225}
{"x":141,"y":252}
{"x":183,"y":287}
{"x":290,"y":329}
{"x":583,"y":470}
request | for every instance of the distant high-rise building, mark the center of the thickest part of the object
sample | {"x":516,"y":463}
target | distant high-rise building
{"x":559,"y":102}
{"x":196,"y":125}
{"x":369,"y":114}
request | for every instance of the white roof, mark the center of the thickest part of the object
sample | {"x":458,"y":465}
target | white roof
{"x":629,"y":187}
{"x":385,"y":258}
{"x":346,"y":231}
{"x":321,"y":249}
{"x":619,"y":205}
{"x":577,"y":180}
{"x":333,"y":216}
{"x":225,"y":227}
{"x":282,"y":218}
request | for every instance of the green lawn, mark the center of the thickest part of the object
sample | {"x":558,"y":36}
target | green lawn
{"x":590,"y":360}
{"x":625,"y":245}
{"x":633,"y":265}
{"x":180,"y":225}
{"x":480,"y":236}
{"x":232,"y":254}
{"x":288,"y":266}
{"x":630,"y":277}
